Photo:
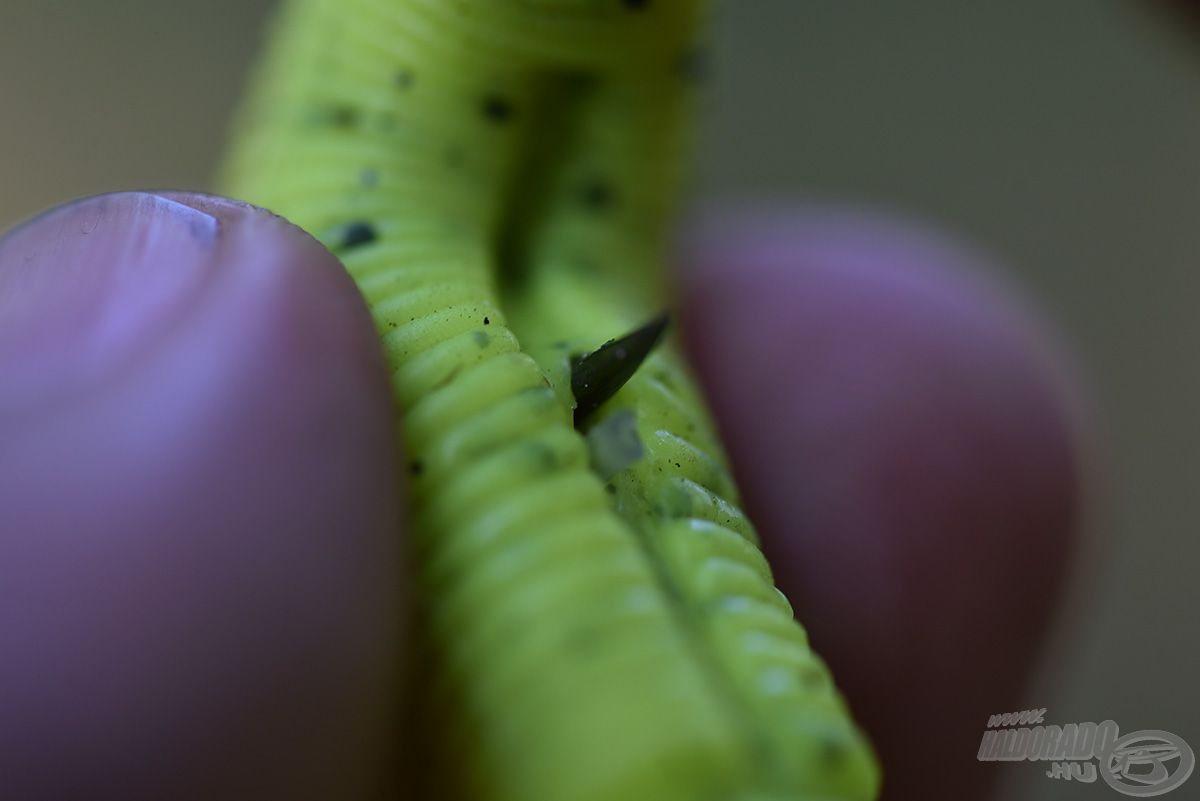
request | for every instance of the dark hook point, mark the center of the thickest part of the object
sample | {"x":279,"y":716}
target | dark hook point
{"x":597,"y":376}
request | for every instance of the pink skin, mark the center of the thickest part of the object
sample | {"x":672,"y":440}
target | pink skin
{"x":199,"y":571}
{"x":908,"y":448}
{"x":198,"y":556}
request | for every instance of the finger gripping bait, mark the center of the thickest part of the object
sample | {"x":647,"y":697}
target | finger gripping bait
{"x":497,"y":176}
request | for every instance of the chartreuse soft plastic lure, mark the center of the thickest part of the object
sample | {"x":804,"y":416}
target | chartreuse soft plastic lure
{"x":497,"y":175}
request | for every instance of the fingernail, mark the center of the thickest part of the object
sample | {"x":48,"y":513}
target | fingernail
{"x":87,"y":286}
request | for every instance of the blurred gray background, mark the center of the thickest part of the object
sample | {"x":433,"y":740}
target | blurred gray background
{"x":1063,"y":138}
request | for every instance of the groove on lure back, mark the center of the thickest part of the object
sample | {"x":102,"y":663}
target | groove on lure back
{"x":497,"y":175}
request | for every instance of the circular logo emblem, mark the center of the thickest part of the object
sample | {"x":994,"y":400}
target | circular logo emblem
{"x":1148,"y":763}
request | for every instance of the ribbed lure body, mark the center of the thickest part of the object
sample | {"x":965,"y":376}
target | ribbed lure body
{"x":497,"y":175}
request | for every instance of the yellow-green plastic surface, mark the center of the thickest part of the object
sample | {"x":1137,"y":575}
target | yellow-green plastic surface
{"x":498,"y":176}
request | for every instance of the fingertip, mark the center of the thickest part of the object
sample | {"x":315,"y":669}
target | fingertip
{"x":912,"y":445}
{"x":91,"y":286}
{"x":200,"y":536}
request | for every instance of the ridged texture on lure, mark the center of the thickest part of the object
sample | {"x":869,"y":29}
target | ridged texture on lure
{"x":489,"y":168}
